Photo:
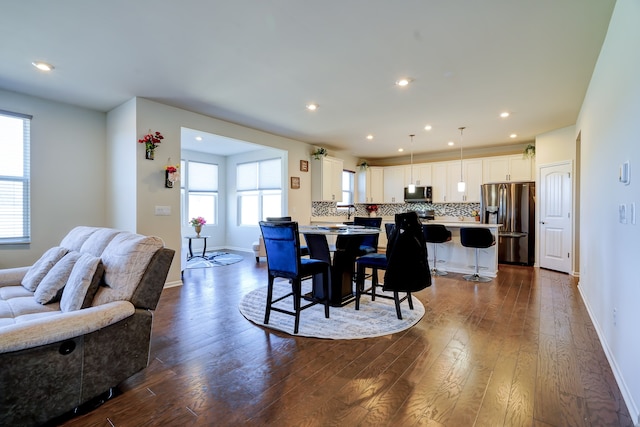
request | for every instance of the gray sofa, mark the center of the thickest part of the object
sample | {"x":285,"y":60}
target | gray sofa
{"x":77,"y":322}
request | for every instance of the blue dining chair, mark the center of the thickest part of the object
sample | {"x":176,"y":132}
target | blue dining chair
{"x":282,"y":244}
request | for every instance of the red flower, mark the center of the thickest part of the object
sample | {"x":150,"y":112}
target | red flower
{"x":171,"y":169}
{"x":151,"y":140}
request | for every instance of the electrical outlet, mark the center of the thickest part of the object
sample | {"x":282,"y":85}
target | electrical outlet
{"x":163,"y":210}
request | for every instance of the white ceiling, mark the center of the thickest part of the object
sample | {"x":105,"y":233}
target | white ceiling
{"x":258,"y":62}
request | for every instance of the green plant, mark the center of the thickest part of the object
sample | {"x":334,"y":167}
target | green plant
{"x":320,"y":152}
{"x":363,"y":165}
{"x":529,"y":151}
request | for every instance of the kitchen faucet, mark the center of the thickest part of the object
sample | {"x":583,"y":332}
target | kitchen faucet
{"x":349,"y":212}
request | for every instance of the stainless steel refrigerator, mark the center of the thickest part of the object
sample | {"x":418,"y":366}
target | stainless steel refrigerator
{"x":511,"y":204}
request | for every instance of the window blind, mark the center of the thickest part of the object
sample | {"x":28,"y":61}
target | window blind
{"x":15,"y":179}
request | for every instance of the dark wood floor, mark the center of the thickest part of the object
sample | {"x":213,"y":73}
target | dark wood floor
{"x":520,"y":350}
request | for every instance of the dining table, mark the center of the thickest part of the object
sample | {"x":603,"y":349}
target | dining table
{"x":341,"y":258}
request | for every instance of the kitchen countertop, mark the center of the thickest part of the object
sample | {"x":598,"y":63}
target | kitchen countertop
{"x":447,"y":221}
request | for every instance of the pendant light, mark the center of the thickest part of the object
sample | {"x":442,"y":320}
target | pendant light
{"x":412,"y":186}
{"x":462,"y":186}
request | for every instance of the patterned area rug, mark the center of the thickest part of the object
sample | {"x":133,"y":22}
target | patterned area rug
{"x":374,"y":319}
{"x":214,"y":259}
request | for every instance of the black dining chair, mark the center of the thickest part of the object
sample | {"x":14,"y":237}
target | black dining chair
{"x":405,"y":263}
{"x":282,"y":244}
{"x":369,"y":243}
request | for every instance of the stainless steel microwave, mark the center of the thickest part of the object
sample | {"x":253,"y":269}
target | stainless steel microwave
{"x":419,"y":195}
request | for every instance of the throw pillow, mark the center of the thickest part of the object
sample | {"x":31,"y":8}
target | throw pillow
{"x":82,"y":284}
{"x":50,"y":288}
{"x":40,"y":268}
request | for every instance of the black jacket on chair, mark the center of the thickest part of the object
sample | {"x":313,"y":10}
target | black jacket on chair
{"x":407,"y":263}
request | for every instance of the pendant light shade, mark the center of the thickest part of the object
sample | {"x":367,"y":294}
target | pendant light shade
{"x":411,"y":187}
{"x":462,"y":186}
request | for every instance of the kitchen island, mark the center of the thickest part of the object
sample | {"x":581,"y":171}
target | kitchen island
{"x":455,"y":257}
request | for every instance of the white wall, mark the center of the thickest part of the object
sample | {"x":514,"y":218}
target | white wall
{"x":68,"y":149}
{"x":608,"y":124}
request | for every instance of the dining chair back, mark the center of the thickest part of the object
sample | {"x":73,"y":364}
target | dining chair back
{"x":282,"y":244}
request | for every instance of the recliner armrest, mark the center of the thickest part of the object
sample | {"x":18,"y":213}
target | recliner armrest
{"x":12,"y":276}
{"x":66,"y":325}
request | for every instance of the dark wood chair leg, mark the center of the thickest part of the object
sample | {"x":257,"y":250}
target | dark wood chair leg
{"x":296,"y":303}
{"x":325,"y":287}
{"x":267,"y":311}
{"x":359,"y":284}
{"x":396,"y":298}
{"x":374,"y":283}
{"x":410,"y":300}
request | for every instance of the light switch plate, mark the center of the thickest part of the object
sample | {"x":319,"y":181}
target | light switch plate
{"x":163,"y":210}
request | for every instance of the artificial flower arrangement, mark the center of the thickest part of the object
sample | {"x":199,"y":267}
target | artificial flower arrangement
{"x":476,"y":215}
{"x":363,"y":165}
{"x":198,"y":221}
{"x":320,"y":152}
{"x":151,"y":140}
{"x":372,"y":208}
{"x":172,"y":173}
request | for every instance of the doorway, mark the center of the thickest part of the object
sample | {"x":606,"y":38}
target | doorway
{"x":556,"y":202}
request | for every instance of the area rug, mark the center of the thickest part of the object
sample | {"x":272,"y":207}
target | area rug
{"x":374,"y":319}
{"x":214,"y":259}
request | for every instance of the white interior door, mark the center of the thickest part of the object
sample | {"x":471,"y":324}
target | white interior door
{"x":555,"y":217}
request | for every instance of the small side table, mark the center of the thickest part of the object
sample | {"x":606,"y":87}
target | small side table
{"x":204,"y":249}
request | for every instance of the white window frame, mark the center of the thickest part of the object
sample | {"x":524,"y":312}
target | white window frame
{"x":260,"y":191}
{"x":348,"y":188}
{"x":15,"y":189}
{"x":185,"y":191}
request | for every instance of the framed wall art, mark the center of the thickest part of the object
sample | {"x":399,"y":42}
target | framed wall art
{"x":304,"y":166}
{"x":295,"y":182}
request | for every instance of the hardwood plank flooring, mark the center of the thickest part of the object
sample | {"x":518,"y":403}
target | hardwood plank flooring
{"x":519,"y":350}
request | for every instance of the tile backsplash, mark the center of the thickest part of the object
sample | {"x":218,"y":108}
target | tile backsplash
{"x":322,"y":209}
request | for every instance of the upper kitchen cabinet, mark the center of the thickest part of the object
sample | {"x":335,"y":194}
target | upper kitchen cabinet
{"x":371,"y":185}
{"x":421,"y":174}
{"x":507,"y":168}
{"x":394,"y":183}
{"x":326,"y":179}
{"x":446,"y":176}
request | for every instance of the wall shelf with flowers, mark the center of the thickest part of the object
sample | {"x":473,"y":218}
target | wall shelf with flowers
{"x":151,"y":141}
{"x":171,"y":174}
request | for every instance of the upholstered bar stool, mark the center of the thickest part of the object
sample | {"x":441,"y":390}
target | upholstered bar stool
{"x":477,"y":238}
{"x":436,"y":234}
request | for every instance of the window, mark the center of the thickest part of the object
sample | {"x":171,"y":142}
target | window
{"x":15,"y":207}
{"x":259,"y":186}
{"x":199,"y":191}
{"x":348,"y":185}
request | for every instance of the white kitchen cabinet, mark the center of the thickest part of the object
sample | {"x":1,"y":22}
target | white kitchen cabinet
{"x":371,"y":185}
{"x":326,"y":179}
{"x":507,"y":168}
{"x":394,"y":184}
{"x":439,"y":178}
{"x":446,"y":176}
{"x":421,"y":174}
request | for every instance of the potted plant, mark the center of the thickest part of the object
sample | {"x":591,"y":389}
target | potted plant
{"x":320,"y":152}
{"x":363,"y":165}
{"x":529,"y":151}
{"x":197,"y":223}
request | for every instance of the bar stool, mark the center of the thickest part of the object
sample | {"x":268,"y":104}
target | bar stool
{"x":436,"y":233}
{"x":476,"y":238}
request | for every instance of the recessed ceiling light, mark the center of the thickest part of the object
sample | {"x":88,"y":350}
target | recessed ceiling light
{"x":43,"y":66}
{"x":369,"y":137}
{"x":312,"y":107}
{"x":450,"y":143}
{"x":198,"y":138}
{"x":504,"y":114}
{"x":400,"y":150}
{"x":513,"y":135}
{"x":403,"y":82}
{"x":427,"y":127}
